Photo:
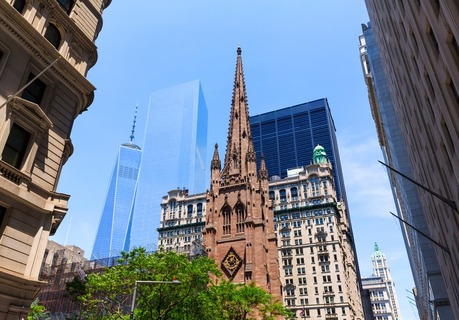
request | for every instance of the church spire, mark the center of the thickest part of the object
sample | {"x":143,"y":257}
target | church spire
{"x":239,"y":135}
{"x":216,"y":164}
{"x":263,"y":173}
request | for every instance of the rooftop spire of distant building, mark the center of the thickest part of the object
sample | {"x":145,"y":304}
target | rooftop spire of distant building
{"x":131,"y":143}
{"x":133,"y":124}
{"x":377,"y":254}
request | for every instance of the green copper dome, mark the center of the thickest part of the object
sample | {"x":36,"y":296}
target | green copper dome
{"x":319,"y":156}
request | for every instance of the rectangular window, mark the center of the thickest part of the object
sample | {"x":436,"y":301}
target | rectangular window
{"x":35,"y":91}
{"x":16,"y":146}
{"x":66,"y":5}
{"x":2,"y":214}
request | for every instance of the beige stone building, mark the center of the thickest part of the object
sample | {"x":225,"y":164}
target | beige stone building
{"x":182,"y":222}
{"x":381,"y":286}
{"x":418,"y":44}
{"x":317,"y":261}
{"x":46,"y":50}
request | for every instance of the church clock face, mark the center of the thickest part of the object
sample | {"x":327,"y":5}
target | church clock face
{"x":231,"y":263}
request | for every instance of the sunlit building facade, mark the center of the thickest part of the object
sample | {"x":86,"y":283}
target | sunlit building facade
{"x":182,"y":221}
{"x":382,"y":289}
{"x":317,"y":264}
{"x":46,"y":51}
{"x":174,"y":155}
{"x":415,"y":111}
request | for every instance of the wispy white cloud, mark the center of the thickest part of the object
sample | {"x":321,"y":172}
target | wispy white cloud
{"x":366,"y":180}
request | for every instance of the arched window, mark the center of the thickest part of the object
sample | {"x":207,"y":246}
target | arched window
{"x":199,"y":209}
{"x":271,"y":195}
{"x":19,"y":5}
{"x":190,"y":210}
{"x":282,"y":195}
{"x":240,"y":218}
{"x":53,"y":35}
{"x":226,"y":212}
{"x":294,"y":193}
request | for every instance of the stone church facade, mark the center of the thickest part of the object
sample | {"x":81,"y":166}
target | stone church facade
{"x":239,"y":231}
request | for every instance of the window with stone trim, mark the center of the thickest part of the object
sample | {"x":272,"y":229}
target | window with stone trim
{"x":26,"y":123}
{"x":53,"y":35}
{"x":2,"y":215}
{"x":16,"y":146}
{"x":35,"y":91}
{"x":19,"y":5}
{"x":67,"y":5}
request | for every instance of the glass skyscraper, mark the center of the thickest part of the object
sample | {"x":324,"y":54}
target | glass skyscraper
{"x":113,"y":232}
{"x":288,"y":136}
{"x":174,"y":155}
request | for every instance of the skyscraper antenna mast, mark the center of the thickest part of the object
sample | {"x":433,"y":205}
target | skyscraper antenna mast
{"x":133,"y":123}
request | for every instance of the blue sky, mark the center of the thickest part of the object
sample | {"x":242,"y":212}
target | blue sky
{"x":293,"y":51}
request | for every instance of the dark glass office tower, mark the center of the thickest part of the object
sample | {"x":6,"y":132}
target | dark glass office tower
{"x":287,"y":137}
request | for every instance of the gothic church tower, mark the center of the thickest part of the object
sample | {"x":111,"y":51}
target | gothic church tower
{"x":239,"y":233}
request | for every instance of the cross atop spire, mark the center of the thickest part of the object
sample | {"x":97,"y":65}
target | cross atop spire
{"x":239,"y":141}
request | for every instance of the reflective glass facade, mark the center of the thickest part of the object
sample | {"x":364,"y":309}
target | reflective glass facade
{"x":174,"y":155}
{"x":287,"y":137}
{"x":113,"y":233}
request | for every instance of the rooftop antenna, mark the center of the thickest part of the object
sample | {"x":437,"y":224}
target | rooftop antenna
{"x":133,"y":123}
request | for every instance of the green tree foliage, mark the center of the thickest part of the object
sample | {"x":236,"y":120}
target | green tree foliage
{"x":109,"y":295}
{"x":37,"y":311}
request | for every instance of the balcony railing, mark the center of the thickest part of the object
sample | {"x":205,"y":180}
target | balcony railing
{"x":12,"y":174}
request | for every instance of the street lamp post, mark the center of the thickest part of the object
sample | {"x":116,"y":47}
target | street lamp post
{"x":147,"y":282}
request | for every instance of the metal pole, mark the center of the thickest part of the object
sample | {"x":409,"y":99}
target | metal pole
{"x":28,"y":83}
{"x":449,"y":202}
{"x":133,"y":301}
{"x":446,"y":249}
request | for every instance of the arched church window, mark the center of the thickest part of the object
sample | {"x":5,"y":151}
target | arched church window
{"x":235,"y":161}
{"x":240,"y":218}
{"x":226,"y":213}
